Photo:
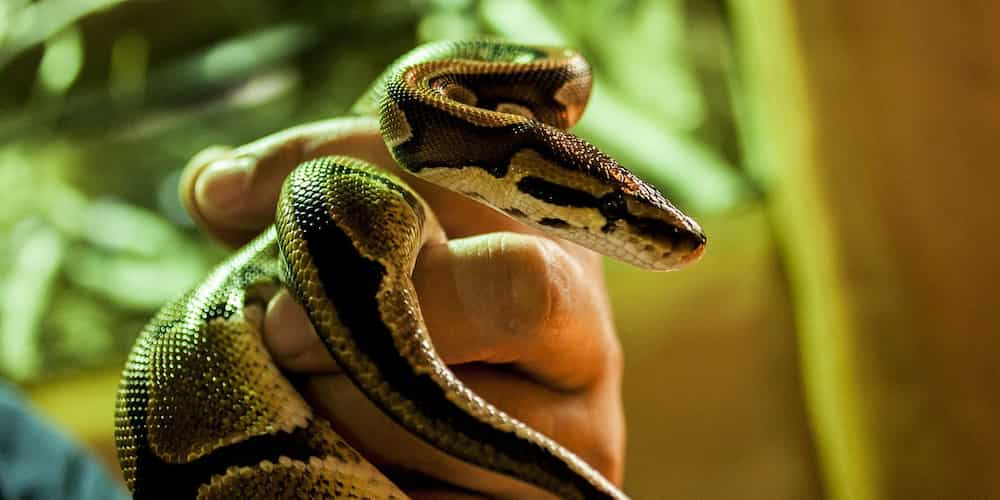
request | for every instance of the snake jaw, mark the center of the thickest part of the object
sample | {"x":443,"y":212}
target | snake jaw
{"x":672,"y":240}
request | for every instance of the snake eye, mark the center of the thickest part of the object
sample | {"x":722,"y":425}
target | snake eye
{"x":613,"y":205}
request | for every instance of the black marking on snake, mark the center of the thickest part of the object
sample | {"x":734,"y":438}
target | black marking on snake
{"x":556,"y":194}
{"x":351,"y":282}
{"x":612,"y":207}
{"x":173,"y":480}
{"x":554,"y":222}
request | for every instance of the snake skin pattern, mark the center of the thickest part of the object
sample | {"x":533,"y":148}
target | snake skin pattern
{"x":202,"y":409}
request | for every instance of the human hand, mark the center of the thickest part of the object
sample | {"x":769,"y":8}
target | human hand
{"x":522,"y":319}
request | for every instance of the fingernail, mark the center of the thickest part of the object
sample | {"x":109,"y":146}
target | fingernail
{"x":222,"y":186}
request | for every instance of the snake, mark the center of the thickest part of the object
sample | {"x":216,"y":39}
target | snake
{"x":202,"y":410}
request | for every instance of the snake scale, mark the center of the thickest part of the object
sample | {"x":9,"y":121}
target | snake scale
{"x":203,"y":411}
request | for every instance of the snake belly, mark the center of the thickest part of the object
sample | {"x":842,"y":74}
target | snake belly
{"x":204,"y":412}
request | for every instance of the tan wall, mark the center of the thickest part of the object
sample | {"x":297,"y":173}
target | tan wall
{"x":886,"y":117}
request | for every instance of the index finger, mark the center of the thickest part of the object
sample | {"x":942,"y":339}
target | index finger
{"x":232,"y":193}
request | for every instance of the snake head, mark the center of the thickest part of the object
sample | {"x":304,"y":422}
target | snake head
{"x":490,"y":120}
{"x":589,"y":198}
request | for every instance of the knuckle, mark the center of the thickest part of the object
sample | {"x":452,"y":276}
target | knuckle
{"x":208,"y":155}
{"x":608,"y":459}
{"x":537,"y":277}
{"x":602,"y":446}
{"x":605,"y":451}
{"x":614,"y":356}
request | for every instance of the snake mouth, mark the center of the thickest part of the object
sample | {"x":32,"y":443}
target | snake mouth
{"x":697,"y":243}
{"x":685,"y":248}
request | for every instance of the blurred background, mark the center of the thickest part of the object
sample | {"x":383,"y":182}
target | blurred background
{"x":837,"y":341}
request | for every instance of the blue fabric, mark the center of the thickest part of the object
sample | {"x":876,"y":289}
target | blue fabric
{"x":39,"y":463}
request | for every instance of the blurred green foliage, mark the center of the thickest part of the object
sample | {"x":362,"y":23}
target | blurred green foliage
{"x":103,"y":101}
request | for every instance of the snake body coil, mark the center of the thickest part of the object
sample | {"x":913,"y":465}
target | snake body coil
{"x":202,"y":409}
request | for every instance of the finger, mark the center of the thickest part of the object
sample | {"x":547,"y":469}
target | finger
{"x":192,"y":173}
{"x":589,"y":423}
{"x":580,"y":422}
{"x":292,"y":340}
{"x":392,"y":448}
{"x":524,"y":300}
{"x":501,"y":298}
{"x":570,"y":419}
{"x":232,"y":193}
